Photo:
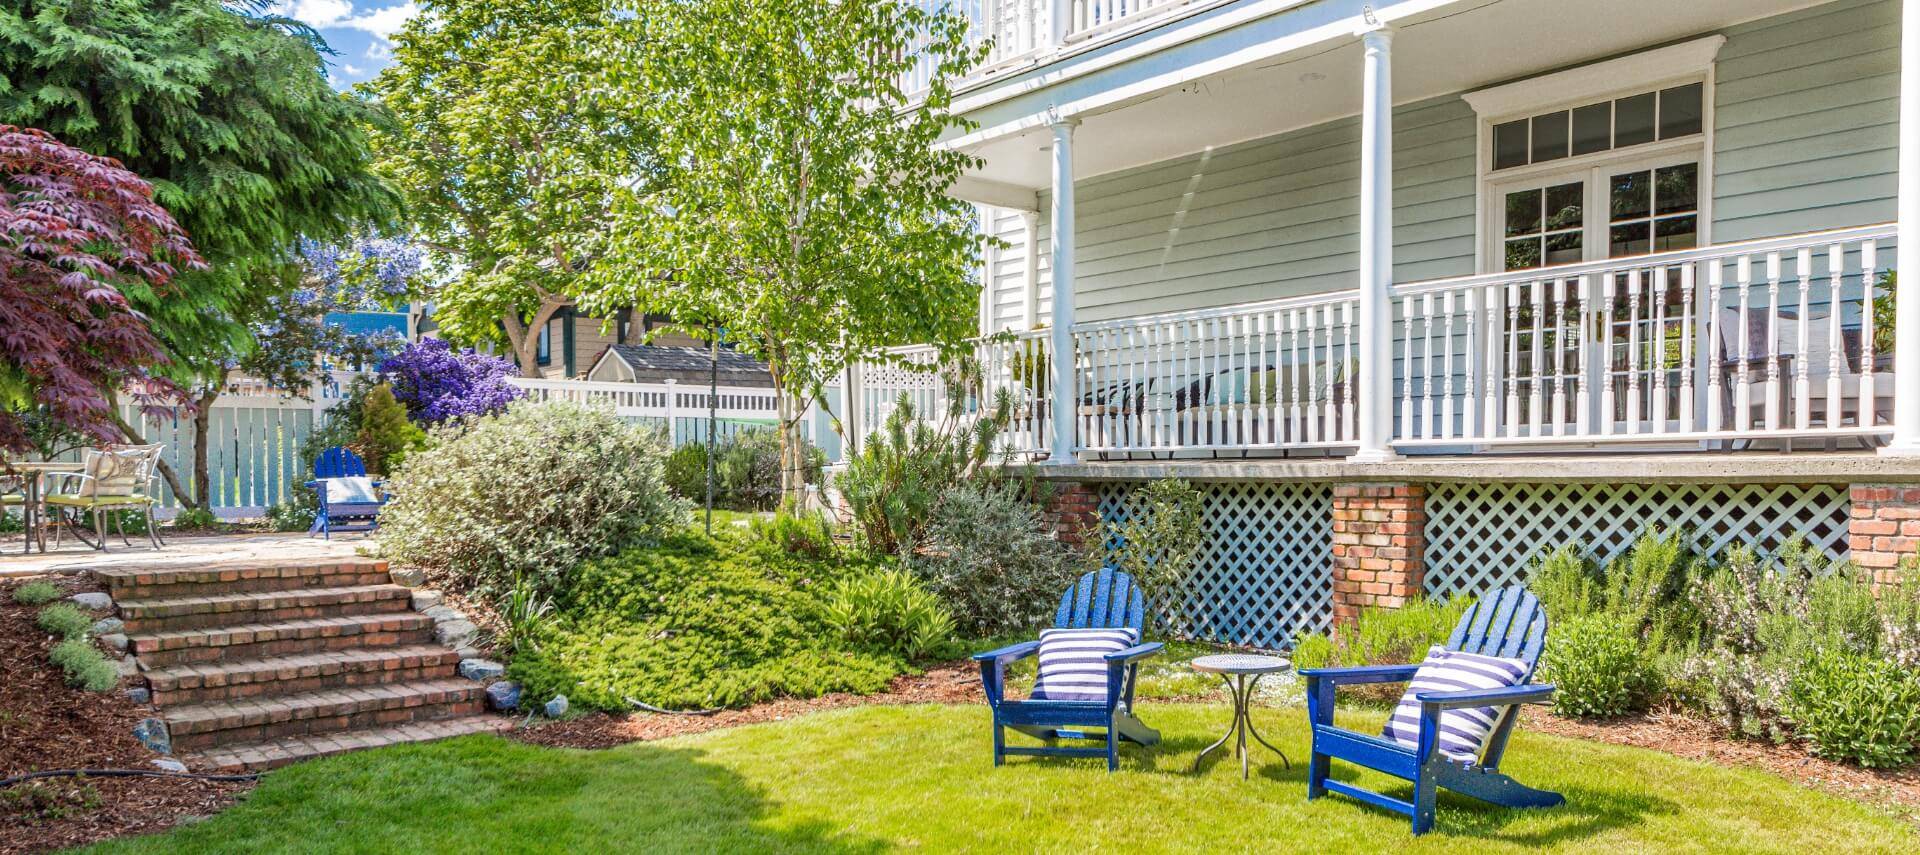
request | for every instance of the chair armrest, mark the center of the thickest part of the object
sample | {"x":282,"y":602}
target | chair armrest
{"x":1135,"y":653}
{"x":1009,"y":653}
{"x":1533,"y":693}
{"x":1362,"y":675}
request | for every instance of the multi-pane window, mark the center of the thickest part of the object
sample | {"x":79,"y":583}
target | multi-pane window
{"x":1648,"y":117}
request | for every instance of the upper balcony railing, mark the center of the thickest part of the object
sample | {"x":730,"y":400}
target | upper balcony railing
{"x":1777,"y":339}
{"x":1023,"y":30}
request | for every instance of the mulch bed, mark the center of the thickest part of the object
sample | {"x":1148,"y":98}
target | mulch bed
{"x":955,"y":683}
{"x":1895,"y":791}
{"x":46,"y":725}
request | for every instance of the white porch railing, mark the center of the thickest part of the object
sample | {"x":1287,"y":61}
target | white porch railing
{"x":1011,"y":365}
{"x":664,"y":400}
{"x":1276,"y":374}
{"x":1766,"y":339}
{"x":1762,"y":338}
{"x":1024,"y":29}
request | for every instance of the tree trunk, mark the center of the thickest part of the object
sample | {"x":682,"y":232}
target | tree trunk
{"x":202,"y":420}
{"x":524,"y":338}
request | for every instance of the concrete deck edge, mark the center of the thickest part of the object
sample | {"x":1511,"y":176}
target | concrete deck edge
{"x":1689,"y":468}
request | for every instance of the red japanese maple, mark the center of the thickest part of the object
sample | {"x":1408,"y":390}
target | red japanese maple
{"x":75,"y":230}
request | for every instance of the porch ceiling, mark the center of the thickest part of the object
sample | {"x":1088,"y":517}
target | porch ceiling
{"x":1457,"y":48}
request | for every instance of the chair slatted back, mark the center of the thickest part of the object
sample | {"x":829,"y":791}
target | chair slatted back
{"x":1508,"y":623}
{"x":338,"y":462}
{"x":1103,"y":599}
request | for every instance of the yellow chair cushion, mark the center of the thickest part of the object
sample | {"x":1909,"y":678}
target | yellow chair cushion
{"x":99,"y":501}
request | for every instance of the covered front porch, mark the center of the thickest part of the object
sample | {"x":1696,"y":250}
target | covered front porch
{"x":1638,"y":229}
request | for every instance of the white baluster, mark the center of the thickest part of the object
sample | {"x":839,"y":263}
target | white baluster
{"x":1408,"y":307}
{"x":1294,"y":424}
{"x":1513,"y":360}
{"x":1869,"y":410}
{"x":1446,"y":392}
{"x":1431,"y":410}
{"x":1470,"y":394}
{"x":1802,"y":383}
{"x":1772,"y":408}
{"x":1836,"y":352}
{"x":1657,"y":358}
{"x":1607,"y":395}
{"x":1742,"y":393}
{"x":1686,"y":347}
{"x":1716,"y":338}
{"x":1537,"y":354}
{"x":1349,"y":428}
{"x":1314,"y":414}
{"x":1583,"y":390}
{"x":1559,"y":357}
{"x":1633,"y":351}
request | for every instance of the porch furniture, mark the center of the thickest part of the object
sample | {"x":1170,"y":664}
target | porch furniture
{"x":1507,"y":623}
{"x":31,"y":475}
{"x":352,"y":502}
{"x":1102,"y":599}
{"x":114,"y":478}
{"x":1241,"y":672}
{"x":1785,"y":347}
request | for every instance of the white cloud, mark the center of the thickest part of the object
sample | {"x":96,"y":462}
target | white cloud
{"x":352,"y":69}
{"x":381,"y":23}
{"x":379,"y":51}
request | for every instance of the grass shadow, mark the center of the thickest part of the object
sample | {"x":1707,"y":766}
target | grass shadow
{"x":482,"y":792}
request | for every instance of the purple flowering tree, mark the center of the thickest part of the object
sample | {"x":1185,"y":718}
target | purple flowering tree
{"x":439,"y":384}
{"x":294,"y":343}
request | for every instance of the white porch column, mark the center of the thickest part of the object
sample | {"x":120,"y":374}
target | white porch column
{"x":1059,"y":23}
{"x":1906,"y":352}
{"x":1066,"y":408}
{"x":1376,"y":248}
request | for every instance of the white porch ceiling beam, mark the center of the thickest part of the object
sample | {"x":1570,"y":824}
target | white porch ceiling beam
{"x":999,"y":194}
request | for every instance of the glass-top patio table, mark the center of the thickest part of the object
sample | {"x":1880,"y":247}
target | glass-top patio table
{"x":1241,"y":672}
{"x":32,"y":473}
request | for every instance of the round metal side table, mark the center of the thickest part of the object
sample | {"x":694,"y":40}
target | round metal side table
{"x":1241,"y":672}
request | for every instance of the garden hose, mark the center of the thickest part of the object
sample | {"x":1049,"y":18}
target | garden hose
{"x":124,"y":773}
{"x":653,"y":709}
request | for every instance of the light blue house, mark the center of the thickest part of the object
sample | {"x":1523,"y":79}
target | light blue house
{"x":1556,"y":270}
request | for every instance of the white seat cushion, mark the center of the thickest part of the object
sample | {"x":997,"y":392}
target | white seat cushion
{"x":1073,"y":664}
{"x":351,"y":490}
{"x":1463,"y":732}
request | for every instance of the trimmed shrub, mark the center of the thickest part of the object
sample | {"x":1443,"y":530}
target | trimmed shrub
{"x":1856,"y":708}
{"x":1598,"y":668}
{"x":986,"y":554}
{"x":385,"y":436}
{"x":891,"y":612}
{"x":1567,"y":584}
{"x":36,"y":593}
{"x":746,"y":474}
{"x":84,"y":665}
{"x":532,"y":492}
{"x":697,"y":622}
{"x":65,"y":620}
{"x":686,"y":475}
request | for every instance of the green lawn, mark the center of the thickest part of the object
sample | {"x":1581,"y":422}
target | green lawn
{"x":882,"y":778}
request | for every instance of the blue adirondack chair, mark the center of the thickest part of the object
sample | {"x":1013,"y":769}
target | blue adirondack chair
{"x":1103,"y":599}
{"x":1508,"y":623}
{"x":333,"y":515}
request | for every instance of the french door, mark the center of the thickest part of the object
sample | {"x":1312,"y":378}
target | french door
{"x":1628,"y":335}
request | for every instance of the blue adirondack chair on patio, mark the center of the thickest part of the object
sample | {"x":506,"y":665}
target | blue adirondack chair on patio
{"x":339,"y":512}
{"x":1508,"y":623}
{"x":1102,"y":599}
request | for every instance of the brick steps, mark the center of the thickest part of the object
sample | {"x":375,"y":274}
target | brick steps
{"x":301,"y":672}
{"x":283,"y":638}
{"x":259,"y":756}
{"x":201,"y":726}
{"x":155,"y":583}
{"x":257,"y":607}
{"x":259,"y":666}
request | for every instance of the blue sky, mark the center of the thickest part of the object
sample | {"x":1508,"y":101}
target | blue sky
{"x":358,"y":30}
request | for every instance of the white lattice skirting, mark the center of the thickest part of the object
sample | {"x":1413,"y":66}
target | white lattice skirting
{"x":1265,"y":571}
{"x":1482,"y":536}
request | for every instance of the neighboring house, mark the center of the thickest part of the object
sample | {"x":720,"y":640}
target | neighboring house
{"x":1419,"y":289}
{"x":686,"y":364}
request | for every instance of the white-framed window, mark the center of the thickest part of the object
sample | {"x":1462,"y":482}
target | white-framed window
{"x":1606,"y":160}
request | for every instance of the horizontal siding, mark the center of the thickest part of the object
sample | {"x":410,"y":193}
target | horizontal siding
{"x":1806,"y":108}
{"x":1007,"y":280}
{"x":1272,"y":218}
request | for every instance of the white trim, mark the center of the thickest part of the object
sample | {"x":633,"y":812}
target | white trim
{"x":1485,"y":177}
{"x":1588,"y":82}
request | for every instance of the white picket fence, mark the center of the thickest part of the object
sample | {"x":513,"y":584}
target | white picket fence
{"x":256,"y":430}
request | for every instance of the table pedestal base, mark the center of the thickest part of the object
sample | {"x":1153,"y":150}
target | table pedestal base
{"x":1240,"y":686}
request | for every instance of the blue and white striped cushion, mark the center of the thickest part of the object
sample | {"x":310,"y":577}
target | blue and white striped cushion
{"x":1073,"y":664}
{"x":1463,"y":732}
